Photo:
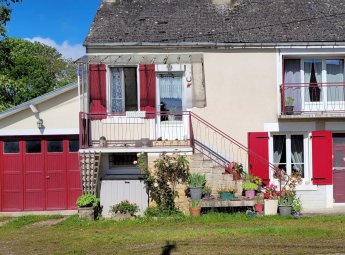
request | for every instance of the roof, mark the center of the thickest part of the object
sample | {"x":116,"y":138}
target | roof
{"x":38,"y":100}
{"x":190,"y":22}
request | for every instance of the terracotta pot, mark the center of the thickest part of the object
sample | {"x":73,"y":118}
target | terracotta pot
{"x":259,"y":207}
{"x":195,"y":211}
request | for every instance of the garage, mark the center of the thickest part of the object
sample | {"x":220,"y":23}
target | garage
{"x":39,"y":173}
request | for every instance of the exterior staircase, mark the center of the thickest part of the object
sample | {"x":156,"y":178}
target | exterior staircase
{"x":90,"y":167}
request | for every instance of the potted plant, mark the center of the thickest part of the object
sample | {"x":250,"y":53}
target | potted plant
{"x":259,"y":203}
{"x":289,"y":100}
{"x":195,"y":207}
{"x":285,"y":204}
{"x":271,"y":196}
{"x":87,"y":204}
{"x":207,"y":192}
{"x":296,"y":207}
{"x":124,"y":210}
{"x":196,"y":185}
{"x":249,"y":189}
{"x":236,"y":169}
{"x":226,"y":193}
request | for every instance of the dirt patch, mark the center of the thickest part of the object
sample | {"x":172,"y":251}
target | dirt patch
{"x":4,"y":222}
{"x":48,"y":223}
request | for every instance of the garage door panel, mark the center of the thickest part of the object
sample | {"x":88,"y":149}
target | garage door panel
{"x":34,"y":163}
{"x":56,"y":199}
{"x":12,"y":201}
{"x":55,"y":163}
{"x":34,"y":200}
{"x":34,"y":180}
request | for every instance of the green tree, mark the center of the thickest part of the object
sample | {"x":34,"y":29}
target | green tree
{"x":5,"y":14}
{"x":30,"y":70}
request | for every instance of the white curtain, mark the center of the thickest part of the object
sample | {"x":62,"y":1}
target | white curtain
{"x":170,"y":86}
{"x":335,"y":74}
{"x":292,"y":74}
{"x":117,"y":94}
{"x":278,"y":147}
{"x":297,"y":153}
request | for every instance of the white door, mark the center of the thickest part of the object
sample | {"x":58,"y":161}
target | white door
{"x":172,"y":124}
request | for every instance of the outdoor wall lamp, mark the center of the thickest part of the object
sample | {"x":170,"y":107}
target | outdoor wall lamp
{"x":40,"y":123}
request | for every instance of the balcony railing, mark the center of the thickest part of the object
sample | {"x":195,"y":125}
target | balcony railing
{"x":134,"y":129}
{"x":312,"y":98}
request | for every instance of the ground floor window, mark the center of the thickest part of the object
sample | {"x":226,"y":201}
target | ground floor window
{"x":289,"y":152}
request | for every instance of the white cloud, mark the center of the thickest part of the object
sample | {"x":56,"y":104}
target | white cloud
{"x":73,"y":51}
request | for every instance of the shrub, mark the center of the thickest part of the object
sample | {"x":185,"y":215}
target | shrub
{"x":249,"y":186}
{"x":124,"y":207}
{"x":87,"y":200}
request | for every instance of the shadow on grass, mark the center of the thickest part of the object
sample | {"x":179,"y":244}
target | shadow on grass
{"x":168,"y":248}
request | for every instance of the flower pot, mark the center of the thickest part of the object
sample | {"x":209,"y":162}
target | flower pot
{"x":285,"y":210}
{"x":296,"y":214}
{"x":195,"y":192}
{"x":226,"y":195}
{"x":207,"y":196}
{"x":270,"y":207}
{"x":87,"y":213}
{"x":195,"y":211}
{"x":259,"y":207}
{"x":250,"y":194}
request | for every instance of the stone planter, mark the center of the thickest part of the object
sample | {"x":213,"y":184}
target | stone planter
{"x":195,"y":192}
{"x":195,"y":211}
{"x":87,"y":213}
{"x":285,"y":210}
{"x":270,"y":207}
{"x":226,"y":195}
{"x":250,"y":194}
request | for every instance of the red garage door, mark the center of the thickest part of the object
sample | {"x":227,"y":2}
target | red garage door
{"x":39,"y":173}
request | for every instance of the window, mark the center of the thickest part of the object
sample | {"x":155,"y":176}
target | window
{"x":11,"y":146}
{"x":289,"y":152}
{"x":123,"y":89}
{"x":54,"y":146}
{"x":122,"y":159}
{"x":33,"y":146}
{"x":73,"y":145}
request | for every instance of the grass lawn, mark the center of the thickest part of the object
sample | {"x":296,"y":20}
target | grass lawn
{"x":209,"y":234}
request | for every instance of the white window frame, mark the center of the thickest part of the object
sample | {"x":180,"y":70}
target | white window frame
{"x":306,"y":152}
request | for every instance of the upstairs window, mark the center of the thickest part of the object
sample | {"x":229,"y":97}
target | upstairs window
{"x":123,"y":89}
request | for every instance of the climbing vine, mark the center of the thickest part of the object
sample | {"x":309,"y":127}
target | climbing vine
{"x":161,"y":182}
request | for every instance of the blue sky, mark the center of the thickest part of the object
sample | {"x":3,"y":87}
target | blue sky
{"x":62,"y":24}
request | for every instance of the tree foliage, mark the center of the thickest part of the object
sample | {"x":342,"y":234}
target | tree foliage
{"x":161,"y":183}
{"x":5,"y":14}
{"x":30,"y":69}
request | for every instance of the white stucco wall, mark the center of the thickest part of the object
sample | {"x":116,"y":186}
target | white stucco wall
{"x":60,"y":115}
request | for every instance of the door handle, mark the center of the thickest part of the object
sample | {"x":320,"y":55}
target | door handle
{"x":47,"y":177}
{"x":127,"y":182}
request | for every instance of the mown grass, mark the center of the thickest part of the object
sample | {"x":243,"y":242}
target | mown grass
{"x":209,"y":234}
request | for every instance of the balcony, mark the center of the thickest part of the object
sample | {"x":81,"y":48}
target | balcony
{"x":313,"y":100}
{"x":135,"y":130}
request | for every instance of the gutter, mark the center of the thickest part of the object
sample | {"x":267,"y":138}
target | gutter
{"x":218,"y":45}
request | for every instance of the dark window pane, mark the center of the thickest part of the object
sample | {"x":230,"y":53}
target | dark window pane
{"x":122,"y":159}
{"x":33,"y":146}
{"x":54,"y":146}
{"x":11,"y":147}
{"x":73,"y":145}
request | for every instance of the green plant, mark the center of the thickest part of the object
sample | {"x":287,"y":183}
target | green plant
{"x":207,"y":190}
{"x":162,"y":180}
{"x":297,"y":205}
{"x":196,"y":180}
{"x":249,"y":186}
{"x":195,"y":203}
{"x":259,"y":199}
{"x":289,"y":100}
{"x":124,"y":207}
{"x":87,"y":200}
{"x":224,"y":189}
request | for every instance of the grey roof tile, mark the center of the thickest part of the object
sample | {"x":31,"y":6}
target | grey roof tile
{"x":202,"y":21}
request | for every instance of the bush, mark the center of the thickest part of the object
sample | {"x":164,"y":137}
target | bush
{"x":124,"y":207}
{"x":87,"y":200}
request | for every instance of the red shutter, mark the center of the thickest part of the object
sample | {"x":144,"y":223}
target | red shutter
{"x":97,"y":83}
{"x":148,"y":90}
{"x":258,"y":155}
{"x":322,"y":157}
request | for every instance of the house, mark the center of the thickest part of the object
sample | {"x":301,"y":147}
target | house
{"x":39,"y":143}
{"x":256,"y":82}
